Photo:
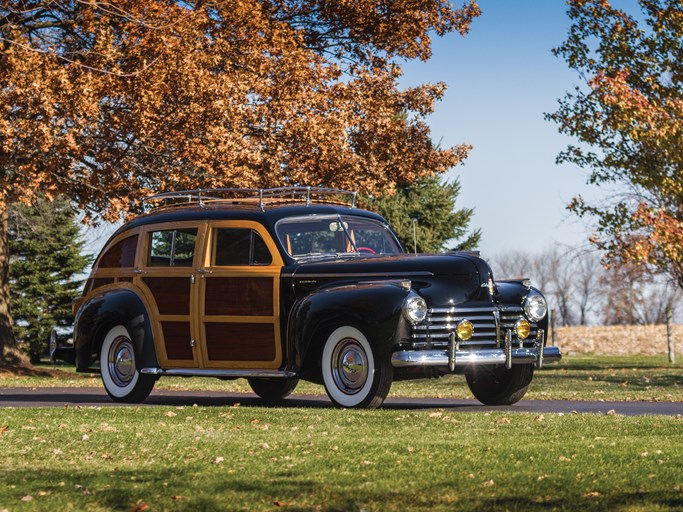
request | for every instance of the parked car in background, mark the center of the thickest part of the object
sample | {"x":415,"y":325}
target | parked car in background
{"x":278,"y":285}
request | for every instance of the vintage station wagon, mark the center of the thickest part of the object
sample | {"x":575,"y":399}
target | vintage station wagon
{"x":278,"y":285}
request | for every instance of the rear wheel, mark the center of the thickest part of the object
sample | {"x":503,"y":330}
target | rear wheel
{"x":353,"y":374}
{"x":120,"y":376}
{"x":496,"y":385}
{"x":272,"y":389}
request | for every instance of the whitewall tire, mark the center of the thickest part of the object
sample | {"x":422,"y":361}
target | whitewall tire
{"x":120,"y":376}
{"x":352,"y":373}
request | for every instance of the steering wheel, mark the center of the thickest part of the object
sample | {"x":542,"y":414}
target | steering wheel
{"x":366,"y":249}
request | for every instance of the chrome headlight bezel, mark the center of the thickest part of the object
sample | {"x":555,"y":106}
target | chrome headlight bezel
{"x":414,"y":308}
{"x":535,"y":307}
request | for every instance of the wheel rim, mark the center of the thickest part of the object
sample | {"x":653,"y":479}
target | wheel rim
{"x":349,"y":366}
{"x":121,"y":361}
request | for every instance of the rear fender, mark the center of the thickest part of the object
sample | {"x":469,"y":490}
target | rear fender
{"x":108,"y":308}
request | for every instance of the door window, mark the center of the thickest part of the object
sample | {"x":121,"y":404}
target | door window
{"x":240,"y":246}
{"x":172,"y":248}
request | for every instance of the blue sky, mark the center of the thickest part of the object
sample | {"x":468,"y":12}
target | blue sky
{"x":502,"y":78}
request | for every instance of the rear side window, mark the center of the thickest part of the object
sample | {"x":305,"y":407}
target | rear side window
{"x":240,"y":246}
{"x":120,"y":255}
{"x":172,"y":248}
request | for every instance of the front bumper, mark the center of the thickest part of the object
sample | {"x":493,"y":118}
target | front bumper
{"x":463,"y":358}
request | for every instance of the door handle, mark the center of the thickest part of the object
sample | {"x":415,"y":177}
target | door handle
{"x":138,"y":271}
{"x":203,"y":271}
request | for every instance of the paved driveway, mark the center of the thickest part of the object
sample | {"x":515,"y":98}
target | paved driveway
{"x":67,"y":397}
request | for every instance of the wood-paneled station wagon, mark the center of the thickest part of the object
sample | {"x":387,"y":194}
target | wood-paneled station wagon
{"x":278,"y":285}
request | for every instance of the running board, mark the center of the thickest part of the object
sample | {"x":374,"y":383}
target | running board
{"x":202,"y":372}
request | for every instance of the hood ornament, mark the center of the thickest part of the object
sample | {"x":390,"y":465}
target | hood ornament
{"x":489,"y":284}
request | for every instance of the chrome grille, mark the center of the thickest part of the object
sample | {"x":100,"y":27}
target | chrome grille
{"x":441,"y":321}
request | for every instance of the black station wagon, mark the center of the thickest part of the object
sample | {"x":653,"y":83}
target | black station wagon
{"x":278,"y":285}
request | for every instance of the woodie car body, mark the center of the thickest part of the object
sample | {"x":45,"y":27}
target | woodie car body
{"x":278,"y":285}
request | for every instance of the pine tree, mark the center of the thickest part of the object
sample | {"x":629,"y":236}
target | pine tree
{"x":45,"y":262}
{"x":426,"y":208}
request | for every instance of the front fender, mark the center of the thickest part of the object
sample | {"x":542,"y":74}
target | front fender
{"x":373,"y":307}
{"x":106,"y":309}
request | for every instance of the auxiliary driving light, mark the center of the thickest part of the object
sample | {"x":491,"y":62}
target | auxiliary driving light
{"x":464,"y":330}
{"x":522,"y":329}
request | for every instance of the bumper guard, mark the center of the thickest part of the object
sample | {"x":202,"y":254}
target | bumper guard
{"x":454,"y":358}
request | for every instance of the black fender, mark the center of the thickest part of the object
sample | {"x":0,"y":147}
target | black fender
{"x":515,"y":292}
{"x":105,"y":310}
{"x":373,"y":307}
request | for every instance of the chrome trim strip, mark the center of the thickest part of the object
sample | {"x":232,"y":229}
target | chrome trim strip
{"x":456,"y":309}
{"x":464,"y":358}
{"x":354,"y":276}
{"x":203,"y":372}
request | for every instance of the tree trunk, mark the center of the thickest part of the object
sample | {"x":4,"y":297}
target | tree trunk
{"x":9,"y":353}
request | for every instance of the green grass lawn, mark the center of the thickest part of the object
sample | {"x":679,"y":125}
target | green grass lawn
{"x":649,"y":378}
{"x":239,"y":458}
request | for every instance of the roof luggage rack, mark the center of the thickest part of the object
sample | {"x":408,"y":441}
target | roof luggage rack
{"x":260,"y":197}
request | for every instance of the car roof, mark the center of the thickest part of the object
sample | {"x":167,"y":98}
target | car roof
{"x":267,"y":216}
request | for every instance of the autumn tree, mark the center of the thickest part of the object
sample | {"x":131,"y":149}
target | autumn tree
{"x":430,"y":205}
{"x":107,"y":102}
{"x":628,"y":117}
{"x":46,"y":262}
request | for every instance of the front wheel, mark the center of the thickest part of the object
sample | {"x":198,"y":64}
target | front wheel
{"x":121,"y":379}
{"x":272,"y":389}
{"x":353,"y":374}
{"x":496,"y":385}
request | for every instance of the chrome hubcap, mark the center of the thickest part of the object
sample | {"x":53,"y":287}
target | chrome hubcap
{"x":121,"y":361}
{"x":349,"y":366}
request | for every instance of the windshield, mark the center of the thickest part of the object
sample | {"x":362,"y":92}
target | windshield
{"x":321,"y":236}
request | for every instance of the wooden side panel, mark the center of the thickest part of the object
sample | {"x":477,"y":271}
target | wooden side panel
{"x":120,"y":255}
{"x":240,"y":341}
{"x":177,"y":340}
{"x":172,"y":294}
{"x":239,"y":296}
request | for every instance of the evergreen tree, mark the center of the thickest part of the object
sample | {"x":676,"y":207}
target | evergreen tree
{"x":45,"y":262}
{"x":428,"y":207}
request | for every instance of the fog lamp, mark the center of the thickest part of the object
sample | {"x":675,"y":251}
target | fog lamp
{"x":522,"y":329}
{"x":464,"y":330}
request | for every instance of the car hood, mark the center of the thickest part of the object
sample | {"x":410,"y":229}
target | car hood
{"x":439,"y":277}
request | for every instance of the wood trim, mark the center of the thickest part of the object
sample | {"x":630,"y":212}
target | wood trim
{"x":179,"y":272}
{"x":211,"y":324}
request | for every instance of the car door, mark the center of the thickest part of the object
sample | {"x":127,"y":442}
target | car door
{"x":239,"y":290}
{"x":166,"y":274}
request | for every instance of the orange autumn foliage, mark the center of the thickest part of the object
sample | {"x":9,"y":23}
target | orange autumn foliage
{"x":630,"y":121}
{"x":110,"y":102}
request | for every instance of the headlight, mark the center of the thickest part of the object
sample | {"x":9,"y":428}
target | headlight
{"x":414,"y":308}
{"x":535,"y":307}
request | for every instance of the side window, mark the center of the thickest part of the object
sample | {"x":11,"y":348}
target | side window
{"x":120,"y":255}
{"x":172,"y":248}
{"x":240,"y":246}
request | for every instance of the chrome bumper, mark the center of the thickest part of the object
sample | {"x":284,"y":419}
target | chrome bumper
{"x":463,"y":358}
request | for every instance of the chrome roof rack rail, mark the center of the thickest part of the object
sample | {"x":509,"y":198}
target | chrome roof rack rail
{"x":260,"y":197}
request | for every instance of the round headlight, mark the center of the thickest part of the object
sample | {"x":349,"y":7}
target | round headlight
{"x":414,"y":308}
{"x":464,"y":330}
{"x":535,"y":307}
{"x":522,"y":329}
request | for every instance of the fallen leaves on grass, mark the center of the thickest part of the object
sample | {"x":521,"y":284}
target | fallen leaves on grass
{"x":27,"y":498}
{"x":489,"y":483}
{"x":140,"y":506}
{"x":279,"y":503}
{"x":170,"y":414}
{"x":3,"y":429}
